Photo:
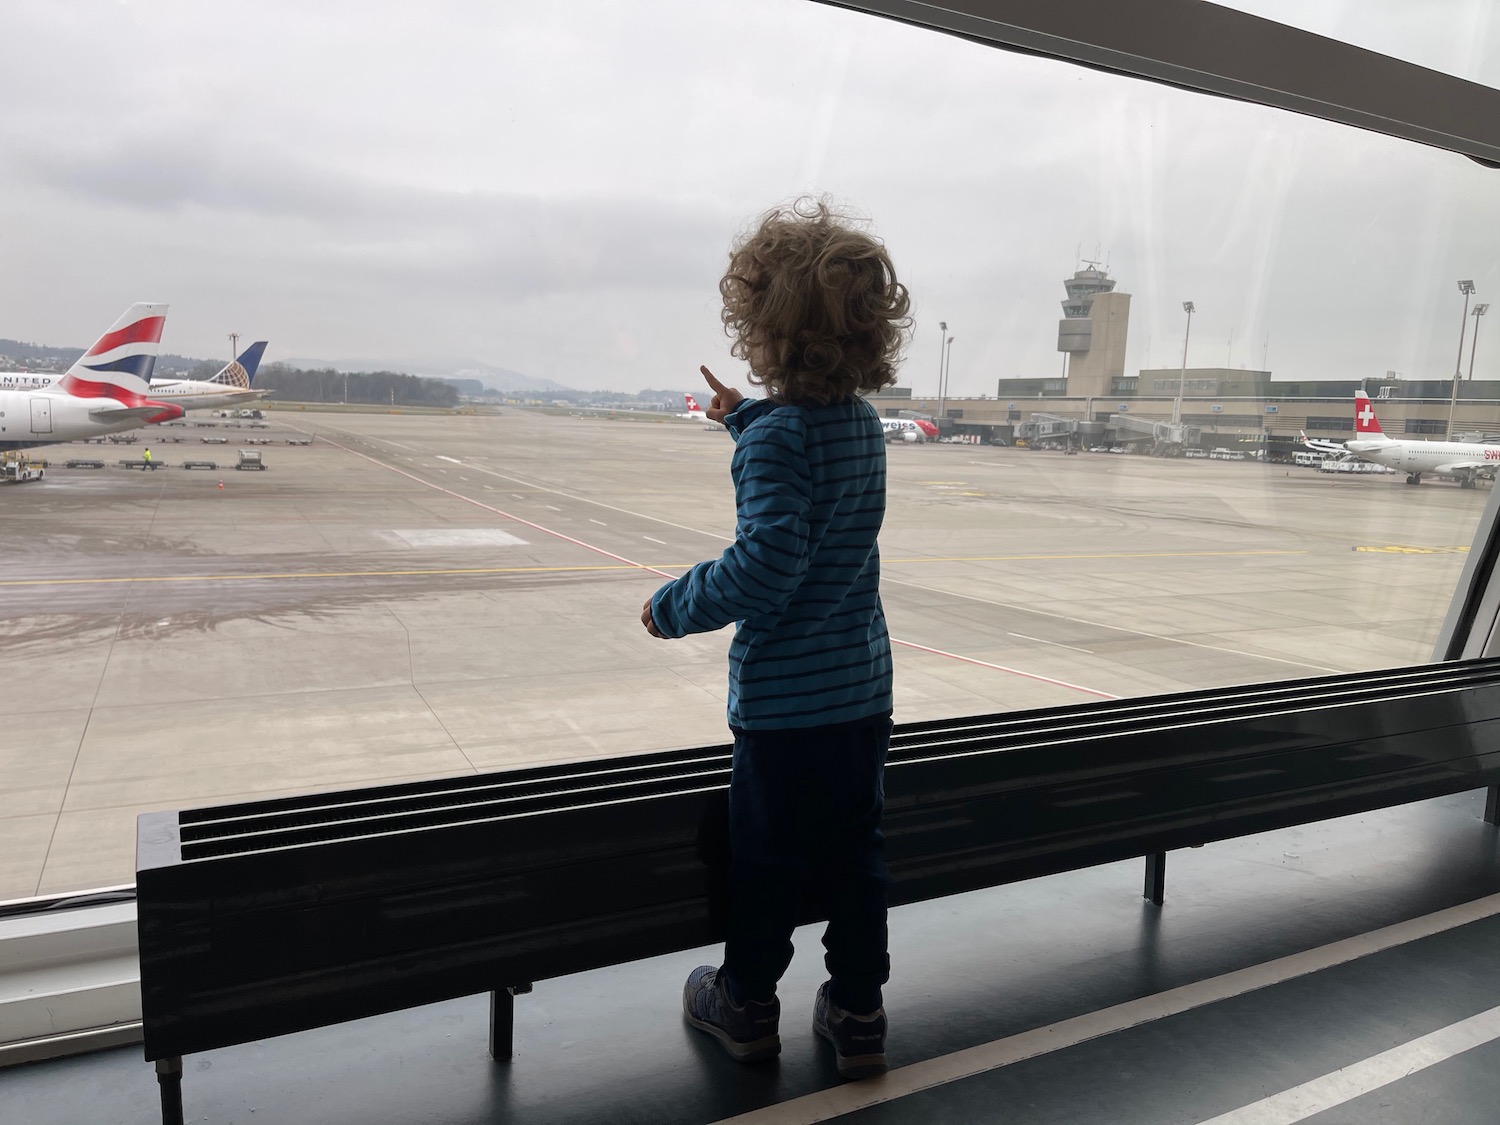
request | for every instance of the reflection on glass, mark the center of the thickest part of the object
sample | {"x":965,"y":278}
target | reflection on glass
{"x":537,"y":206}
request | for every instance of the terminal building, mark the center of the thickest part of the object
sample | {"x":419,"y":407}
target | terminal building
{"x":1094,"y":402}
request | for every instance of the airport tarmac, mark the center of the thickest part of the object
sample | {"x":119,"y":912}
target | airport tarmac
{"x":416,"y":595}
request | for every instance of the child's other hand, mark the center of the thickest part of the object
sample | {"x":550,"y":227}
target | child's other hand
{"x":725,"y":398}
{"x":646,"y":615}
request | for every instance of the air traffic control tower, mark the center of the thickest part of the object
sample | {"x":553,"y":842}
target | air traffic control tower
{"x":1092,"y":332}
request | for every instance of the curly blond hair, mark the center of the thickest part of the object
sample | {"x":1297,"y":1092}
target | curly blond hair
{"x":813,"y":305}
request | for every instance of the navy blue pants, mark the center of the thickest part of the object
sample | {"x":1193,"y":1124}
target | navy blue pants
{"x":804,"y":835}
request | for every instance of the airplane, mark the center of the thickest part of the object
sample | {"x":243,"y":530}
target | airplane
{"x":104,"y":392}
{"x":694,"y":411}
{"x":1321,"y":445}
{"x":229,"y":386}
{"x":909,"y":429}
{"x":1465,"y":461}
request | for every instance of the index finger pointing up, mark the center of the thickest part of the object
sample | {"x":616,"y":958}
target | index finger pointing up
{"x":717,"y":386}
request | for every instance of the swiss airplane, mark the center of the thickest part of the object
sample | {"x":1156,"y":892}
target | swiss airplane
{"x":229,"y":386}
{"x":1321,"y":445}
{"x":105,"y":392}
{"x":1466,"y":461}
{"x":909,"y":429}
{"x":694,"y":411}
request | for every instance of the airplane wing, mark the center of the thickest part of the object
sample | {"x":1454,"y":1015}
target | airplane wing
{"x":1465,"y":468}
{"x":126,"y":413}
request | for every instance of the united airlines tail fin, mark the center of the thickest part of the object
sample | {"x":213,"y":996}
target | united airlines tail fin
{"x":120,"y":363}
{"x":241,"y":372}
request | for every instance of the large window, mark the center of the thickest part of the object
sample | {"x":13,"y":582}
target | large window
{"x":535,"y":201}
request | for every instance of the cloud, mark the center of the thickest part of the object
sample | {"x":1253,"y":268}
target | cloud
{"x":553,"y":190}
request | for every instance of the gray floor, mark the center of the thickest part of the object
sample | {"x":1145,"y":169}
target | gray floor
{"x":969,"y":970}
{"x":419,"y":595}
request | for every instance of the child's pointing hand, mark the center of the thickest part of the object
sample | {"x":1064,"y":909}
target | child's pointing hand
{"x":725,"y":398}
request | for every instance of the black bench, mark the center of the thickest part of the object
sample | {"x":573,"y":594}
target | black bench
{"x":268,"y":917}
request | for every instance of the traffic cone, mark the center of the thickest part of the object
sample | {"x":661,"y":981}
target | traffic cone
{"x":221,"y":482}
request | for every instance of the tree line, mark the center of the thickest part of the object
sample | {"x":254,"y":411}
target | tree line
{"x":327,"y":385}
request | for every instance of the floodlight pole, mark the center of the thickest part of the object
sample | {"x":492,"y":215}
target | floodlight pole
{"x":1467,"y":289}
{"x":942,"y":335}
{"x":1187,"y":307}
{"x":943,"y":378}
{"x":234,"y":346}
{"x":1479,"y":311}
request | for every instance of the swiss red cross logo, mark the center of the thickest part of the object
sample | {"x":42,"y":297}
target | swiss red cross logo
{"x":1366,"y":416}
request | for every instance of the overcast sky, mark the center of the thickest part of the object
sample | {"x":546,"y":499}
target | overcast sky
{"x":552,"y":187}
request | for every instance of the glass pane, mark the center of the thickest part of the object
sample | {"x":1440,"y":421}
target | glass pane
{"x":449,"y":577}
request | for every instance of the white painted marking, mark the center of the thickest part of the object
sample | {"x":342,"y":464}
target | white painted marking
{"x":1004,"y":668}
{"x":648,"y":539}
{"x":513,"y":495}
{"x":811,"y":1109}
{"x":462,"y":477}
{"x":601,"y":523}
{"x":550,"y":508}
{"x":1045,"y":641}
{"x":450,"y":460}
{"x":886,"y":579}
{"x":1358,"y":1079}
{"x":459,"y":537}
{"x":499,"y":512}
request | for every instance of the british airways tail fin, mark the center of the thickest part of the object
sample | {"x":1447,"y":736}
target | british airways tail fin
{"x":120,"y":363}
{"x":241,"y":372}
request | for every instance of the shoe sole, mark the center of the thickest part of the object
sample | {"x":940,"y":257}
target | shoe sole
{"x":756,"y":1050}
{"x":854,"y":1067}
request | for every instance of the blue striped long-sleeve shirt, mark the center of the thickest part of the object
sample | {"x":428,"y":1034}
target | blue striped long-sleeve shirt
{"x":802,"y":578}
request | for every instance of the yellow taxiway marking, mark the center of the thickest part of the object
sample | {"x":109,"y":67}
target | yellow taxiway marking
{"x":446,"y":571}
{"x":1398,"y":549}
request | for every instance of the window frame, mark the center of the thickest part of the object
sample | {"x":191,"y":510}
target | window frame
{"x":1189,"y":44}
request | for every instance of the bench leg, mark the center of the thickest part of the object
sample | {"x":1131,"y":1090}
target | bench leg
{"x":503,"y":1020}
{"x":1492,"y":805}
{"x":1156,"y":877}
{"x":169,"y":1078}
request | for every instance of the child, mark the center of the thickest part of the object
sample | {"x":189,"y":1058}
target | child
{"x":814,"y":306}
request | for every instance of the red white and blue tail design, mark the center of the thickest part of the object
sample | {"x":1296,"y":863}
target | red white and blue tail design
{"x":120,"y":363}
{"x":117,"y":369}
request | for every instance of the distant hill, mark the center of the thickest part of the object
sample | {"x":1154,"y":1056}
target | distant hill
{"x":36,"y":353}
{"x":496,"y":378}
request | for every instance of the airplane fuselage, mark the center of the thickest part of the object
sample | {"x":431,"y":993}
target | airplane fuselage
{"x":31,"y":418}
{"x":1416,"y":457}
{"x":194,"y":394}
{"x":190,"y":394}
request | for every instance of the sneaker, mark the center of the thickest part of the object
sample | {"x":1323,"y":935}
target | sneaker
{"x":749,"y":1032}
{"x":858,"y":1041}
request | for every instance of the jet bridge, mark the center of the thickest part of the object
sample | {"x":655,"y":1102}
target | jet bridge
{"x":1167,"y":438}
{"x":1054,"y":427}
